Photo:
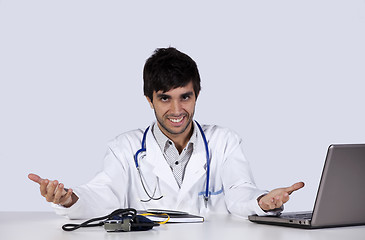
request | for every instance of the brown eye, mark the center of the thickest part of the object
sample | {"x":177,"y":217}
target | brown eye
{"x":164,"y":99}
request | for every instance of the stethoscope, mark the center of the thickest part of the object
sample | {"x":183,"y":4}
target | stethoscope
{"x":143,"y":149}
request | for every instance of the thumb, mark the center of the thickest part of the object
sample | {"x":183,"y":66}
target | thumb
{"x":35,"y":178}
{"x":294,"y":187}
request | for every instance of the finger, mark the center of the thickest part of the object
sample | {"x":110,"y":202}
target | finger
{"x":66,"y":199}
{"x":35,"y":178}
{"x":43,"y":187}
{"x":294,"y":187}
{"x":285,"y":197}
{"x":264,"y":206}
{"x":60,"y":191}
{"x":267,"y":204}
{"x":278,"y":202}
{"x":51,"y":188}
{"x":271,"y":205}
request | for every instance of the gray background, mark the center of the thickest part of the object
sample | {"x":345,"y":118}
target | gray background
{"x":288,"y":76}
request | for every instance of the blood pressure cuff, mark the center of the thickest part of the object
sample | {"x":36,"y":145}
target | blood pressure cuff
{"x":120,"y":220}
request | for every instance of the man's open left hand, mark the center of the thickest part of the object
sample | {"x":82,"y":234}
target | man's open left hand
{"x":277,"y":197}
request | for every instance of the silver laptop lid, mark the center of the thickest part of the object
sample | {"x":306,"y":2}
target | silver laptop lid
{"x":341,"y":194}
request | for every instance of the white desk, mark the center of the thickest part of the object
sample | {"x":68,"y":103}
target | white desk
{"x":47,"y":226}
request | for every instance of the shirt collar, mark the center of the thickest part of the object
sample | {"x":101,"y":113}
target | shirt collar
{"x":164,"y":142}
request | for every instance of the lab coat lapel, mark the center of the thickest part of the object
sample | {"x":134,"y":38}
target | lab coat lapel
{"x":195,"y":169}
{"x":156,"y":163}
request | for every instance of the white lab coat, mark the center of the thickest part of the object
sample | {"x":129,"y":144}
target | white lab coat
{"x":118,"y":185}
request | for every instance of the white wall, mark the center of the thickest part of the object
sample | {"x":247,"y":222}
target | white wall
{"x":288,"y":76}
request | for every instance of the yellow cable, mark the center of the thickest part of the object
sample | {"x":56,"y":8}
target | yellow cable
{"x":153,"y":214}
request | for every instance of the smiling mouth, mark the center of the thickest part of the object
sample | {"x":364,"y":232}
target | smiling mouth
{"x":176,"y":120}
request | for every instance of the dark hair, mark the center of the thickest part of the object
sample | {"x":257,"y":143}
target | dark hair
{"x":167,"y":69}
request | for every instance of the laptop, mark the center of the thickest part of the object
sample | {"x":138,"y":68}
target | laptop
{"x":340,"y":198}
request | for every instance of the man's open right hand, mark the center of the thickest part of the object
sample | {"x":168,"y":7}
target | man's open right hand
{"x":54,"y":192}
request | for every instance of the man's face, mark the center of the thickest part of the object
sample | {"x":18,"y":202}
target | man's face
{"x":174,"y":110}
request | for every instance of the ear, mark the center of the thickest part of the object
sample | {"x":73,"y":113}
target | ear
{"x":149,"y":101}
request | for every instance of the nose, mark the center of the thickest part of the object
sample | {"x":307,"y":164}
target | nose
{"x":176,"y":108}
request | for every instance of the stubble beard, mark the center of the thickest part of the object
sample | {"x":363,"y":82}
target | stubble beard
{"x":170,"y":131}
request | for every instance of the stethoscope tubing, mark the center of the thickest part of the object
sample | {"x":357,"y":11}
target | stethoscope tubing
{"x":143,"y":149}
{"x":206,"y":197}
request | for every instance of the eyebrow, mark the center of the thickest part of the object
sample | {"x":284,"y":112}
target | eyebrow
{"x":187,"y":94}
{"x":163,"y":95}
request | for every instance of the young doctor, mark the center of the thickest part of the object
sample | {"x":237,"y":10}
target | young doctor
{"x":175,"y":163}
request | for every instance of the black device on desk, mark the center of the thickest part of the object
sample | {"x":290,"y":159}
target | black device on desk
{"x":341,"y":193}
{"x":120,"y":220}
